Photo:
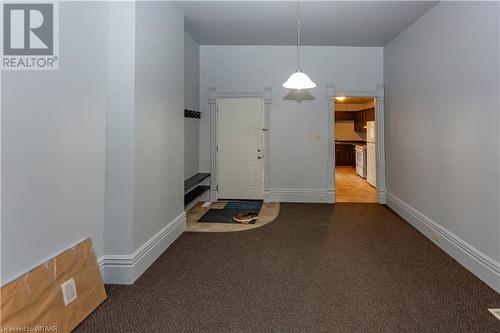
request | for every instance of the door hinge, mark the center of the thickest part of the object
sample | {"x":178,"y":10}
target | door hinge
{"x":216,"y":147}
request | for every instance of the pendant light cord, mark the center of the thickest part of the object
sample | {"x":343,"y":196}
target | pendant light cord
{"x":298,"y":35}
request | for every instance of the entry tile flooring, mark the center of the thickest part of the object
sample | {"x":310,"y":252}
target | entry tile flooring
{"x":349,"y":187}
{"x":268,"y":213}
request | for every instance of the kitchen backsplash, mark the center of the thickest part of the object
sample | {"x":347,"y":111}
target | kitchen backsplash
{"x":344,"y":130}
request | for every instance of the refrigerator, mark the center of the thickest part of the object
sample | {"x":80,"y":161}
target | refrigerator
{"x":371,"y":155}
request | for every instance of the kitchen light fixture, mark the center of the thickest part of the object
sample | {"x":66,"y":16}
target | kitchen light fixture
{"x":340,"y":98}
{"x":299,"y":80}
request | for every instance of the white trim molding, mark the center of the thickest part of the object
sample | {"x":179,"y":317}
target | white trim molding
{"x":299,"y":195}
{"x":268,"y":99}
{"x":212,"y":101}
{"x":484,"y":267}
{"x":380,"y":144}
{"x":267,"y":96}
{"x":125,"y":269}
{"x":330,"y":94}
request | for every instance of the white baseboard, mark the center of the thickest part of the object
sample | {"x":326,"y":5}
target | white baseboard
{"x":125,"y":269}
{"x":299,"y":195}
{"x":382,"y":197}
{"x":213,"y":195}
{"x":484,"y":267}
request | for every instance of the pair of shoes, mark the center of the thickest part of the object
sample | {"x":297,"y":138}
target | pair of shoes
{"x":245,"y":218}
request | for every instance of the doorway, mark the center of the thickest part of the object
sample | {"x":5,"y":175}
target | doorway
{"x":355,"y":149}
{"x":240,"y":148}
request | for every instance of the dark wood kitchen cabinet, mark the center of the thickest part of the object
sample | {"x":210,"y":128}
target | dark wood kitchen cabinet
{"x":344,"y":155}
{"x":360,"y":122}
{"x":362,"y":117}
{"x":345,"y":115}
{"x":370,"y":114}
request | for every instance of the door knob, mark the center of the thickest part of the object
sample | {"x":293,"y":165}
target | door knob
{"x":259,"y":157}
{"x":259,"y":150}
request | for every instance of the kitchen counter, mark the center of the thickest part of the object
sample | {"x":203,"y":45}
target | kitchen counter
{"x":355,"y":142}
{"x":345,"y":152}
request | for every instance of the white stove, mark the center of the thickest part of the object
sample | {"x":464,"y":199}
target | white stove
{"x":361,"y":160}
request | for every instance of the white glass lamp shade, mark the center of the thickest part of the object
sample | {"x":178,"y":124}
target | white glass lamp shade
{"x":299,"y":80}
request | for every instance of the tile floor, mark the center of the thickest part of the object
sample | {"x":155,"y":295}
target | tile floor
{"x":268,"y":213}
{"x":349,"y":187}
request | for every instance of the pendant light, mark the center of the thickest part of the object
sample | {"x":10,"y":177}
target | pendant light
{"x":299,"y":80}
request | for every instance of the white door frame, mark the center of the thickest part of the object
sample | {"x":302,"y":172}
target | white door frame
{"x":213,"y":95}
{"x":377,"y":93}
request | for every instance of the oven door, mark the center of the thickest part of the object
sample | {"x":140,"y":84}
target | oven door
{"x":360,"y":162}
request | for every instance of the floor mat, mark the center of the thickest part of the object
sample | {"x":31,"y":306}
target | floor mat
{"x":232,"y":208}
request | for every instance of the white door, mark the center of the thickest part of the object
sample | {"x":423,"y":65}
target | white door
{"x":240,"y":148}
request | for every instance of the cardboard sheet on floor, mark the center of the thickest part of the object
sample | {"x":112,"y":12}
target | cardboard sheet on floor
{"x":35,"y":302}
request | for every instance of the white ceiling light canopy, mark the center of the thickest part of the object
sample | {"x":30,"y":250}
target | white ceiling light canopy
{"x":299,"y":80}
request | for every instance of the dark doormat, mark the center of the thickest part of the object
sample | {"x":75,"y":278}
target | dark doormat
{"x":232,"y":208}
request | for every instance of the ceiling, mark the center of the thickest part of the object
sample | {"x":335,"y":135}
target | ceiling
{"x":340,"y":23}
{"x":354,"y":100}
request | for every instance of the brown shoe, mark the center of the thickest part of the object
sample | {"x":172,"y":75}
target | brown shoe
{"x":245,"y":218}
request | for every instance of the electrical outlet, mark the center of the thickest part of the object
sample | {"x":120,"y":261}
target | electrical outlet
{"x":69,"y":291}
{"x":436,"y":237}
{"x":495,"y":312}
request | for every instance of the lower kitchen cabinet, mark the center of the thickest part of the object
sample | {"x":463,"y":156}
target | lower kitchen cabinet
{"x":345,"y":155}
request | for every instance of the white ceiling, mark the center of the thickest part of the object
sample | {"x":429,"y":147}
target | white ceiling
{"x":342,"y":23}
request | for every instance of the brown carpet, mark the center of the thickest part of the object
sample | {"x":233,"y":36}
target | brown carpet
{"x":317,"y":268}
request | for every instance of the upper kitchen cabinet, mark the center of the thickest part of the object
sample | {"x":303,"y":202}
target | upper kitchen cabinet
{"x":362,"y":117}
{"x":345,"y":115}
{"x":356,"y":109}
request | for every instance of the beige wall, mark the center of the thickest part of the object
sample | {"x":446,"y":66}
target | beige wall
{"x":344,"y":130}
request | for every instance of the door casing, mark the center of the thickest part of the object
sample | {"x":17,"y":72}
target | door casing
{"x":378,"y":94}
{"x":213,"y":95}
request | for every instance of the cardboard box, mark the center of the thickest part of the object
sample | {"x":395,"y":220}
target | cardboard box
{"x":35,"y":302}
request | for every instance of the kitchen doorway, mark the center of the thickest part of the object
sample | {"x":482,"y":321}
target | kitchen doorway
{"x":355,"y":168}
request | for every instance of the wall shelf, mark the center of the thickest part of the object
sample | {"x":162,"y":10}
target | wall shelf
{"x":193,"y":189}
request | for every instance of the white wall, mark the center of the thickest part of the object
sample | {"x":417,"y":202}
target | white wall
{"x":442,"y":120}
{"x":53,"y":146}
{"x":191,"y":102}
{"x":95,"y":149}
{"x":299,"y":131}
{"x":120,"y":129}
{"x":159,"y":102}
{"x":191,"y":72}
{"x":191,"y":147}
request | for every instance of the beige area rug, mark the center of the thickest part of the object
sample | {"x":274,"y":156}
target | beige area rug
{"x":268,"y":213}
